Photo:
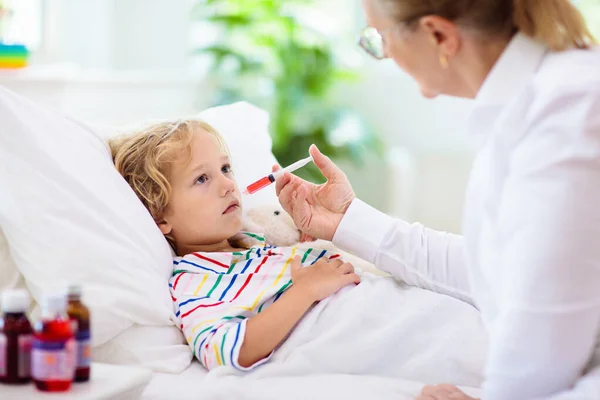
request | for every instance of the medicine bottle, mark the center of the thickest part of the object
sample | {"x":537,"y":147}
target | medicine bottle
{"x":15,"y":338}
{"x":80,"y":315}
{"x":53,"y":348}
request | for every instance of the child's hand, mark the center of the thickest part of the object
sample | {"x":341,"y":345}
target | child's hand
{"x":323,"y":278}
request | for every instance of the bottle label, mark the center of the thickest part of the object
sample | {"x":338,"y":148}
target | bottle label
{"x":3,"y":366}
{"x":84,"y":349}
{"x":74,"y":326}
{"x":25,"y":342}
{"x":53,"y":360}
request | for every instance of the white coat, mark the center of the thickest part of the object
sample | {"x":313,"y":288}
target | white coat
{"x":530,"y":256}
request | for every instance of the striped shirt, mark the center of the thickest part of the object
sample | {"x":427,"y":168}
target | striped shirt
{"x":215,"y":294}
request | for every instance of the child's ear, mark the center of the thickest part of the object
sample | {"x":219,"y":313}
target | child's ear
{"x":164,"y":227}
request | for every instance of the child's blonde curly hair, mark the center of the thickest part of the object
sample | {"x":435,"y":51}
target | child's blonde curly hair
{"x":144,"y":158}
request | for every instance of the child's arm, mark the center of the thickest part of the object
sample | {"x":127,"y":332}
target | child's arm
{"x":221,"y":332}
{"x":265,"y":331}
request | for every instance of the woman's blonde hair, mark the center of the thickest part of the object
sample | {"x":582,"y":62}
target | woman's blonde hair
{"x":144,"y":159}
{"x":557,"y":24}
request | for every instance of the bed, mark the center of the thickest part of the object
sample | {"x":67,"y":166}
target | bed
{"x":385,"y":341}
{"x":76,"y":220}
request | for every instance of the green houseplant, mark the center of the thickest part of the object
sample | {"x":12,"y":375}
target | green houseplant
{"x":266,"y":55}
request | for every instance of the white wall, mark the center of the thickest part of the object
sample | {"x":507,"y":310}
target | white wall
{"x":432,"y":132}
{"x":152,"y":35}
{"x":114,"y":60}
{"x":397,"y":110}
{"x":78,"y":32}
{"x":118,"y":34}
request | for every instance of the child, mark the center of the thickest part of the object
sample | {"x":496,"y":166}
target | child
{"x":236,"y":299}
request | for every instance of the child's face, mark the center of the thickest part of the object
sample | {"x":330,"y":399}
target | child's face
{"x":205,"y":208}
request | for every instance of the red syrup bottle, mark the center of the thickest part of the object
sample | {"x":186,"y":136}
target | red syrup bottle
{"x":53,"y":348}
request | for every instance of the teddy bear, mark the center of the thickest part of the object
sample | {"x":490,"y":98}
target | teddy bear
{"x":279,"y":230}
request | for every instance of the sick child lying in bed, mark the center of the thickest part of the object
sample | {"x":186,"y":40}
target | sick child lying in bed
{"x":236,"y":299}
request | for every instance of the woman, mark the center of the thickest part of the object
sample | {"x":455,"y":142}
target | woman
{"x":530,"y":257}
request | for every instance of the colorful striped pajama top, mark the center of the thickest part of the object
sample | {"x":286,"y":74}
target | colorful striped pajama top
{"x":215,"y":294}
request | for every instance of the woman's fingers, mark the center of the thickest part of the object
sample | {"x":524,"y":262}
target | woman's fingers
{"x":443,"y":392}
{"x":286,"y":198}
{"x":439,"y":389}
{"x":286,"y":185}
{"x":324,"y":163}
{"x":430,"y":390}
{"x":302,"y":215}
{"x":306,"y":238}
{"x":282,"y":182}
{"x":447,"y":388}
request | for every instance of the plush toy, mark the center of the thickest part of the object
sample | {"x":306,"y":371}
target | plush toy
{"x":279,"y":230}
{"x":277,"y":225}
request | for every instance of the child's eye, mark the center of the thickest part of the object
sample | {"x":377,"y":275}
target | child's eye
{"x":226,"y":169}
{"x":202,"y":179}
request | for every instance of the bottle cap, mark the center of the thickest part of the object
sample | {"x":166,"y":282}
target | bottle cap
{"x":74,"y":291}
{"x":15,"y":301}
{"x":54,"y":303}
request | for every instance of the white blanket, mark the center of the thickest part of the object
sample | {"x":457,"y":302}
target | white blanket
{"x":376,"y":340}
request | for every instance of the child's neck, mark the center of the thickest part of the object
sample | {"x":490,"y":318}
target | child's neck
{"x":221,"y":247}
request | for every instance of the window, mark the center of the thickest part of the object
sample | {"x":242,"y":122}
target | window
{"x":21,"y":22}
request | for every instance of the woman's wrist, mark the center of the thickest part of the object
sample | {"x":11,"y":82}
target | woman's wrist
{"x":348,"y":204}
{"x":337,"y":219}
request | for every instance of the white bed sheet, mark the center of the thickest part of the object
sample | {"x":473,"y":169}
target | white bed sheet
{"x":355,"y":345}
{"x":194,"y":383}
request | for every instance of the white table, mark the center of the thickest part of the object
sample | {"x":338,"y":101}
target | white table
{"x":107,"y":382}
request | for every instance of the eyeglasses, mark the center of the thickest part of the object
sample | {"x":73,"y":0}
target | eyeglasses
{"x":371,"y":40}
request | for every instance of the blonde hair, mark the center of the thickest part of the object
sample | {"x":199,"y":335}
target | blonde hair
{"x":557,"y":24}
{"x":144,"y":158}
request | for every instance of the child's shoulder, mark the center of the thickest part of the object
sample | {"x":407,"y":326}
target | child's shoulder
{"x":203,"y":262}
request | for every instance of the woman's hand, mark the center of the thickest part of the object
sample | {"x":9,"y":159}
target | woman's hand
{"x":323,"y":278}
{"x":443,"y":392}
{"x":317,"y":210}
{"x":306,"y":238}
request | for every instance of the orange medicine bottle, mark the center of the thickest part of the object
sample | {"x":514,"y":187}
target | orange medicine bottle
{"x":80,"y":315}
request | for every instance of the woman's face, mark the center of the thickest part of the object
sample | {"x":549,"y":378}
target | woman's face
{"x":415,"y":49}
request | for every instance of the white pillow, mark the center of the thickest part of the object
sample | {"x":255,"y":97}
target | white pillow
{"x":69,"y":216}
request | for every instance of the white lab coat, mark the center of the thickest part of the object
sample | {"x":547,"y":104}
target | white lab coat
{"x":530,"y":257}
